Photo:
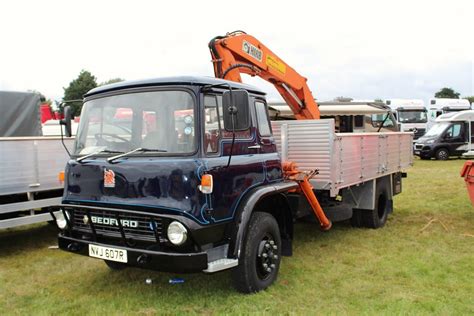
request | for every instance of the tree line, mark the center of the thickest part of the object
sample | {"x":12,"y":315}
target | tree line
{"x":85,"y":81}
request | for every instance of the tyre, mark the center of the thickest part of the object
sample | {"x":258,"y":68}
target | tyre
{"x":442,"y":154}
{"x":377,"y":217}
{"x":261,"y":256}
{"x":115,"y":265}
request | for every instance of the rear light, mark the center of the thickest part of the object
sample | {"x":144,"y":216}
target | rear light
{"x":206,"y":184}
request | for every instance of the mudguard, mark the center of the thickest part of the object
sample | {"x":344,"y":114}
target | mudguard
{"x":246,"y":208}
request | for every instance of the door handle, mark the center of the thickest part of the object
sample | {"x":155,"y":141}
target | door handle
{"x":254,"y":147}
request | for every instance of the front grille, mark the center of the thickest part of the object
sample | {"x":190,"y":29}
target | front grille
{"x":418,"y":133}
{"x":418,"y":146}
{"x":143,"y":231}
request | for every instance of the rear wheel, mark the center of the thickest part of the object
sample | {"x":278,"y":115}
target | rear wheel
{"x":260,"y":259}
{"x":377,"y":217}
{"x":115,"y":265}
{"x":442,"y":154}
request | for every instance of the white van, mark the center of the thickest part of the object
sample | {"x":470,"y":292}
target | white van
{"x":438,"y":106}
{"x":452,"y":134}
{"x":411,"y":114}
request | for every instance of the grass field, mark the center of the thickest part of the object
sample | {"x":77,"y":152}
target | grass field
{"x":422,"y":262}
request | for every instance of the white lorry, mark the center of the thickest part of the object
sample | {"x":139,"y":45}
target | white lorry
{"x":438,"y":106}
{"x":29,"y":162}
{"x":411,"y":114}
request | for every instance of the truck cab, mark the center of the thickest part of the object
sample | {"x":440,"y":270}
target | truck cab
{"x":163,"y":177}
{"x":439,"y":106}
{"x":451,"y":135}
{"x":411,"y":114}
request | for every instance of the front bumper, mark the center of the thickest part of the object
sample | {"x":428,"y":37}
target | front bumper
{"x":142,"y":258}
{"x":423,"y":150}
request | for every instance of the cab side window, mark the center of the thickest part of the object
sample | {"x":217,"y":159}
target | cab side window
{"x":262,"y":119}
{"x":212,"y":130}
{"x":454,"y":131}
{"x":214,"y":124}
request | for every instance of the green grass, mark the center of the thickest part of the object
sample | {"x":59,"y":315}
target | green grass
{"x":399,"y":269}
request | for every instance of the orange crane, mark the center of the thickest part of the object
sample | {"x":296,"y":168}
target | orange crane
{"x":237,"y":53}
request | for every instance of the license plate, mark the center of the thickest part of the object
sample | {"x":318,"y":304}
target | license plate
{"x":108,"y":253}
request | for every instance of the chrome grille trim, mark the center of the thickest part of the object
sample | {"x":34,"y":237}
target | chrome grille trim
{"x":140,"y":233}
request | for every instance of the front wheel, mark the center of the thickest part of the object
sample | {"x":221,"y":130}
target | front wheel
{"x":442,"y":154}
{"x":261,"y":256}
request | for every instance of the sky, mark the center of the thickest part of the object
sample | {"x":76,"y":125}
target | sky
{"x":361,"y":49}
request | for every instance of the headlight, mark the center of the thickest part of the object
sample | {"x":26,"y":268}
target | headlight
{"x":431,"y":141}
{"x":61,"y":221}
{"x":177,"y":233}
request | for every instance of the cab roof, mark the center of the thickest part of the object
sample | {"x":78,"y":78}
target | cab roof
{"x":456,"y":116}
{"x":166,"y":81}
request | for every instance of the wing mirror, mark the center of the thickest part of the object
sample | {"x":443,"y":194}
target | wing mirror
{"x":236,"y":110}
{"x":66,"y":121}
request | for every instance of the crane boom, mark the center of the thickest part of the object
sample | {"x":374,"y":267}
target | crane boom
{"x":238,"y":52}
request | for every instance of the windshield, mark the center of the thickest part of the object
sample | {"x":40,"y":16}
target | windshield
{"x":436,"y":129}
{"x":377,"y":120}
{"x":413,"y":116}
{"x":162,"y":120}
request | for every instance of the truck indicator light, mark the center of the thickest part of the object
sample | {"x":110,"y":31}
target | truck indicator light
{"x":61,"y":176}
{"x":206,"y":184}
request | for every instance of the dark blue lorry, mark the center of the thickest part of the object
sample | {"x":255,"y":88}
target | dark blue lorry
{"x":182,"y":174}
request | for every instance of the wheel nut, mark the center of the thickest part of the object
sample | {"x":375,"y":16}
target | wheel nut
{"x":275,"y":257}
{"x":272,"y":242}
{"x":275,"y":247}
{"x":265,"y":265}
{"x":267,"y":245}
{"x":264,"y":255}
{"x":272,"y":266}
{"x":269,"y":269}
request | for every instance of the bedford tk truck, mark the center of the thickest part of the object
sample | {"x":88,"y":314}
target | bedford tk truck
{"x":188,"y":174}
{"x":190,"y":179}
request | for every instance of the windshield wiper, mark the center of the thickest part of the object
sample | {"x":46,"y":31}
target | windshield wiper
{"x":140,"y":149}
{"x":98,"y":152}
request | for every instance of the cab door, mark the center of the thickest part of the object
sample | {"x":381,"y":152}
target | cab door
{"x":245,"y":170}
{"x":455,"y":138}
{"x":265,"y":142}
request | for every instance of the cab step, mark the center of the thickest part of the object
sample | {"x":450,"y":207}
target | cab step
{"x":221,"y":264}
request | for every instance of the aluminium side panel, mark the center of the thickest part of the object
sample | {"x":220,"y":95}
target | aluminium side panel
{"x":343,"y":159}
{"x":366,"y":156}
{"x":30,"y":164}
{"x":310,"y":144}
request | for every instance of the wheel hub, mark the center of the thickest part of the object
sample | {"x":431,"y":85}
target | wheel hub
{"x":267,"y":257}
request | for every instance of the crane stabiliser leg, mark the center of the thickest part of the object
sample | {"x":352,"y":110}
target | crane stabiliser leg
{"x":302,"y":178}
